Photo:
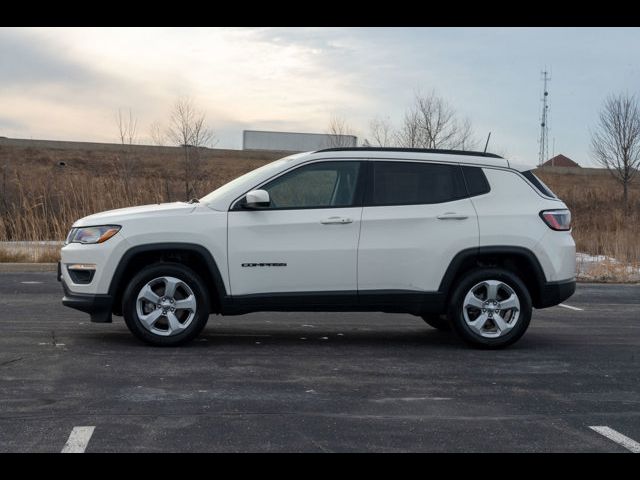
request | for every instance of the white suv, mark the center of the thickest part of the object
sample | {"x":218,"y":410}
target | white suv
{"x":462,"y":239}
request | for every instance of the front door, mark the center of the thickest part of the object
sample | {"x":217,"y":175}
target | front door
{"x":305,"y":242}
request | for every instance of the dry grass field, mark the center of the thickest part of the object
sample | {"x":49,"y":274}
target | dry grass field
{"x":40,"y":199}
{"x":600,"y":226}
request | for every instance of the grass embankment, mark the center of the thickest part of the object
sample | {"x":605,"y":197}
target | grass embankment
{"x":600,"y":225}
{"x":39,"y":199}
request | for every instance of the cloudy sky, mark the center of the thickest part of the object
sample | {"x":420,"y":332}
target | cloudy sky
{"x":68,"y":83}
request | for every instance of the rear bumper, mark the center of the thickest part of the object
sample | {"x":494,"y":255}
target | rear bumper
{"x":97,"y":306}
{"x":553,"y":293}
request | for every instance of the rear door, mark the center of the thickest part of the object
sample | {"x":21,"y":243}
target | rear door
{"x":417,"y":216}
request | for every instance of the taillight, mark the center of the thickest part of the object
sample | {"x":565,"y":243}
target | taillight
{"x":557,"y":219}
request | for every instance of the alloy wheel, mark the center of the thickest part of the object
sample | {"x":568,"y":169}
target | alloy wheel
{"x":491,"y":308}
{"x":166,"y":306}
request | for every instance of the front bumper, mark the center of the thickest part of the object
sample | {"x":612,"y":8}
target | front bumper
{"x":98,"y":306}
{"x":553,"y":293}
{"x":105,"y":257}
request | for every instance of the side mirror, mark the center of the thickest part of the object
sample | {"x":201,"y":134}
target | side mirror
{"x":257,"y":199}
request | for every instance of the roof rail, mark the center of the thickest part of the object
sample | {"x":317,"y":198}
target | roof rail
{"x":412,"y":150}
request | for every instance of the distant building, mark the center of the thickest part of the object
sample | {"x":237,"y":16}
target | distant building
{"x":560,"y":161}
{"x":294,"y":142}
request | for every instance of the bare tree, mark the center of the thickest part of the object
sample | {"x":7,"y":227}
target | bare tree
{"x":188,"y":129}
{"x":127,"y":126}
{"x":382,"y":134}
{"x":409,"y":135}
{"x":466,"y":138}
{"x":125,"y":163}
{"x":158,"y":134}
{"x":615,"y":143}
{"x":431,"y":122}
{"x":339,"y":133}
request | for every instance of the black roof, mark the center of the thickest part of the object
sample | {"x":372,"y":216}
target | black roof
{"x":412,"y":150}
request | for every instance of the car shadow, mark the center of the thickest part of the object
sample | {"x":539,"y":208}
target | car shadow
{"x":214,"y":337}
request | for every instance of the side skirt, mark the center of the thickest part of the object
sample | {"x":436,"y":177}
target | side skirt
{"x":390,"y":301}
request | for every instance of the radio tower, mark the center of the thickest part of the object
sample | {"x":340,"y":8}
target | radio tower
{"x":543,"y":155}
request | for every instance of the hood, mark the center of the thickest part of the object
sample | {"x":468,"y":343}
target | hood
{"x":131,"y":213}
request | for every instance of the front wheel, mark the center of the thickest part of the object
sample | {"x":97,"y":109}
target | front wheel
{"x":490,"y":308}
{"x":165,"y":304}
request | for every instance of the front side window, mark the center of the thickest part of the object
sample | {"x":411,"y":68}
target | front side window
{"x":318,"y":185}
{"x":413,"y":183}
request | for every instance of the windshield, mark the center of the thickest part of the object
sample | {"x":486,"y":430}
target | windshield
{"x":262,"y":172}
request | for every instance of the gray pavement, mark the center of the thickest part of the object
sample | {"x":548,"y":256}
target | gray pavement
{"x":342,"y":382}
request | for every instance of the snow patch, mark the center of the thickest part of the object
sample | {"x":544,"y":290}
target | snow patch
{"x":605,"y":269}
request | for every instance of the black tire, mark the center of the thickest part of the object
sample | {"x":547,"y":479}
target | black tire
{"x":159,"y":270}
{"x":456,"y":314}
{"x":439,"y":322}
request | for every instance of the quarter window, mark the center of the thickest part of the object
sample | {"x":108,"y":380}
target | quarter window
{"x":477,"y":183}
{"x":318,"y":185}
{"x":539,"y":184}
{"x":409,"y":183}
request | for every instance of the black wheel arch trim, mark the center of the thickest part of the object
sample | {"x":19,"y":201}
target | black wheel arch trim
{"x":211,"y":265}
{"x":474,"y":253}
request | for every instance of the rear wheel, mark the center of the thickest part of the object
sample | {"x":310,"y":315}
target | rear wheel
{"x":165,"y":304}
{"x":490,"y":308}
{"x":439,"y":322}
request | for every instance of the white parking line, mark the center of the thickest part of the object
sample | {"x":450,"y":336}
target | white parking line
{"x":570,"y":307}
{"x":78,"y":440}
{"x":619,"y":438}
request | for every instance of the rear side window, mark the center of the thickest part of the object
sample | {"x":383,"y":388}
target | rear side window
{"x":477,"y":183}
{"x":409,"y":183}
{"x":539,"y":184}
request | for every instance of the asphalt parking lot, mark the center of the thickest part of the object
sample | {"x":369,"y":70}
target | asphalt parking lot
{"x":301,"y":382}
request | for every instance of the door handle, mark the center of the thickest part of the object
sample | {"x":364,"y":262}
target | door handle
{"x":452,"y":216}
{"x":339,"y":220}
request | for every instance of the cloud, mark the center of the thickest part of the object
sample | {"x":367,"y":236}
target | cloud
{"x":66,"y":80}
{"x":26,"y":62}
{"x":48,"y":90}
{"x":69,"y":82}
{"x":9,"y":124}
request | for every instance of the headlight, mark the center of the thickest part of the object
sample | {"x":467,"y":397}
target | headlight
{"x":92,"y":234}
